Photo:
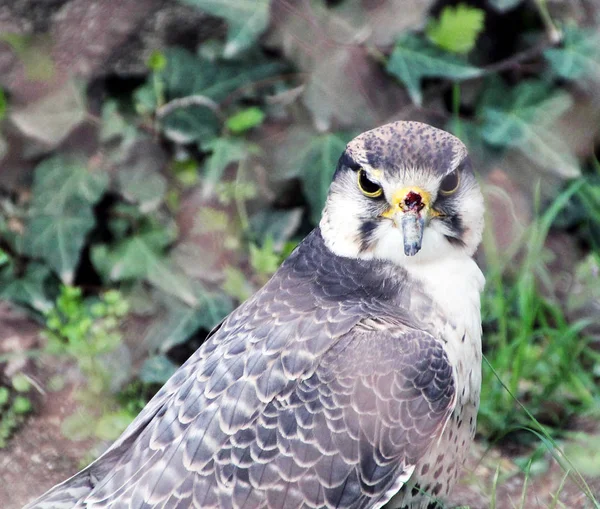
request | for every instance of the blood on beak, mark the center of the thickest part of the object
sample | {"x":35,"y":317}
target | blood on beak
{"x":410,"y":211}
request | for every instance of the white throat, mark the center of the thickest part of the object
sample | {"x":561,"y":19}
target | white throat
{"x":446,"y":272}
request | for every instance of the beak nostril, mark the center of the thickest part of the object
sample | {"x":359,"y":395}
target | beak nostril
{"x":413,"y":201}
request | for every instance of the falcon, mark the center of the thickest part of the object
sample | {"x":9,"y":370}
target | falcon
{"x":351,"y":379}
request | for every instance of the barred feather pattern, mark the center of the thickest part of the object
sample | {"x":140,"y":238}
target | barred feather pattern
{"x":322,"y":390}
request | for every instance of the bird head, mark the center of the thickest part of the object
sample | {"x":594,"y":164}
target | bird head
{"x":405,"y":192}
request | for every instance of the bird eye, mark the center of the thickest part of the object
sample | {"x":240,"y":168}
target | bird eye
{"x":368,"y":187}
{"x":450,"y":183}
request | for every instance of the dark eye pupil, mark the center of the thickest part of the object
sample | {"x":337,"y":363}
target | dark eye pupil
{"x":367,"y":185}
{"x":450,"y":182}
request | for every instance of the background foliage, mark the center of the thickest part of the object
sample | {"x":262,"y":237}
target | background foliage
{"x":138,"y":208}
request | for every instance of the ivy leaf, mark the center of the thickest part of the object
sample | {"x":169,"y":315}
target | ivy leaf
{"x":521,"y":117}
{"x":201,"y":83}
{"x":413,"y":59}
{"x":187,"y":74}
{"x":457,"y":28}
{"x":58,"y":180}
{"x":157,"y":369}
{"x":225,"y":151}
{"x":29,"y":289}
{"x":64,"y":193}
{"x":247,"y":20}
{"x":183,"y":321}
{"x":578,"y":56}
{"x":52,"y":118}
{"x":504,"y":5}
{"x":278,"y":225}
{"x":315,"y":163}
{"x":245,"y":120}
{"x":142,"y":256}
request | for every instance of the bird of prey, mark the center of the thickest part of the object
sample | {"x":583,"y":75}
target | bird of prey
{"x":351,"y":379}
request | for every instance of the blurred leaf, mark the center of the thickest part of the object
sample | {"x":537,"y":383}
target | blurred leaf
{"x":112,"y":424}
{"x":52,"y":118}
{"x":157,"y":369}
{"x":64,"y":193}
{"x":236,"y":284}
{"x":522,"y":117}
{"x":142,"y":256}
{"x":200,"y":83}
{"x":224,"y":152}
{"x":3,"y":104}
{"x":114,"y":124}
{"x":278,"y":225}
{"x":413,"y":59}
{"x":191,"y":124}
{"x":328,"y":44}
{"x":584,"y":454}
{"x":28,"y":289}
{"x":187,"y":74}
{"x":185,"y":171}
{"x":143,"y":187}
{"x":157,"y":61}
{"x":457,"y":28}
{"x":247,"y":20}
{"x":34,"y":52}
{"x":183,"y":321}
{"x":264,"y":259}
{"x":245,"y":120}
{"x":578,"y":55}
{"x":58,"y":180}
{"x":316,"y":163}
{"x":504,"y":5}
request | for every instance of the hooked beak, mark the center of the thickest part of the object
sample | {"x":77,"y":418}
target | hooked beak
{"x":410,"y":212}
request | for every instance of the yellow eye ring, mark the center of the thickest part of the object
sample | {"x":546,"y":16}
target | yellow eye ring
{"x":368,"y":187}
{"x":450,"y":183}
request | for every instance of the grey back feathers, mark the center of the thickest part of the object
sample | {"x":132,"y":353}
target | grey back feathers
{"x":321,"y":390}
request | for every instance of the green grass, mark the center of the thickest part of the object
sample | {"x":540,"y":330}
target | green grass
{"x":536,"y":372}
{"x":527,"y":338}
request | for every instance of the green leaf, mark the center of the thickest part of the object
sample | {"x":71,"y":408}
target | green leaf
{"x":315,"y":163}
{"x":21,"y":382}
{"x":578,"y":56}
{"x":59,"y":238}
{"x":522,"y":117}
{"x":201,"y":83}
{"x":236,"y":284}
{"x":187,"y":74}
{"x":111,"y":425}
{"x":157,"y":61}
{"x":264,"y":259}
{"x":457,"y":28}
{"x":225,"y":151}
{"x":504,"y":5}
{"x":3,"y":104}
{"x":114,"y":124}
{"x":278,"y":225}
{"x":4,"y":396}
{"x":245,"y":120}
{"x":22,"y":405}
{"x":413,"y":59}
{"x":53,"y":117}
{"x":183,"y":321}
{"x":157,"y":369}
{"x":58,"y":180}
{"x":29,"y":289}
{"x":143,"y":256}
{"x":146,"y":188}
{"x":63,"y":195}
{"x":247,"y":20}
{"x":191,"y":124}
